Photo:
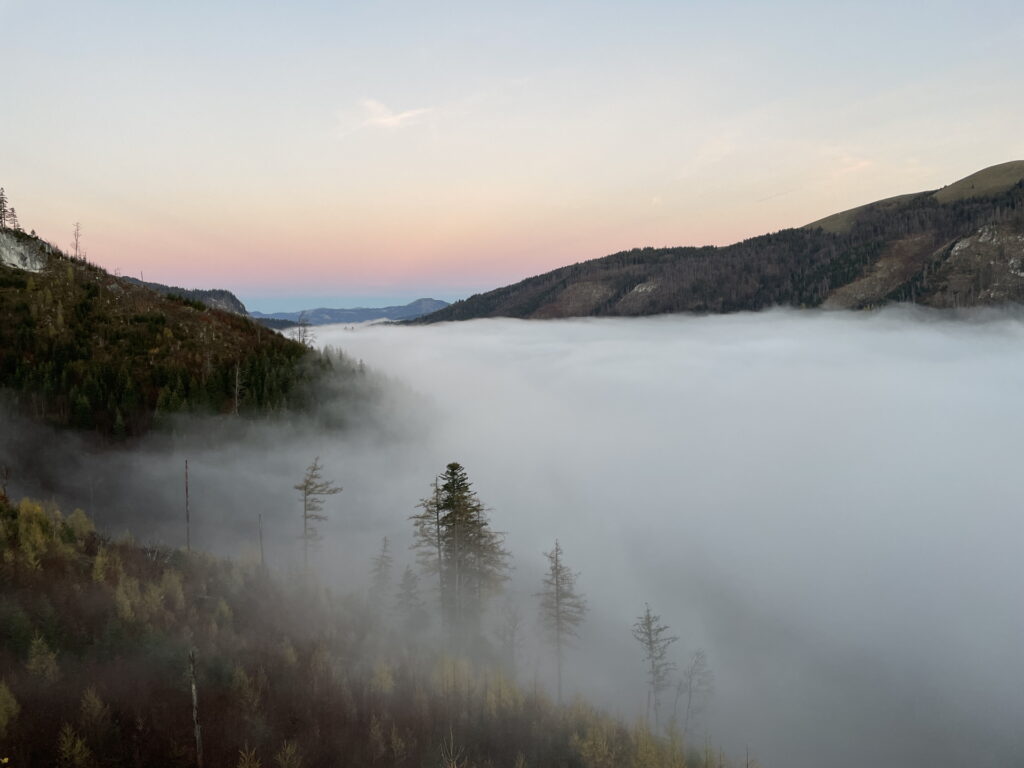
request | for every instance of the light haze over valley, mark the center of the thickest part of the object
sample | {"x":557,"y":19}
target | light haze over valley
{"x":512,"y":385}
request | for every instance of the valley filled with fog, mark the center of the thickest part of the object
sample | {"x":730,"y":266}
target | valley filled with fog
{"x":828,"y":504}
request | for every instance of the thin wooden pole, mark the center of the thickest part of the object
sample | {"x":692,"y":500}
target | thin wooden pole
{"x":262,"y":561}
{"x":195,"y":708}
{"x":188,"y":521}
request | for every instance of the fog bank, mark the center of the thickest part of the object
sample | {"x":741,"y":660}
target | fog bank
{"x":828,"y":503}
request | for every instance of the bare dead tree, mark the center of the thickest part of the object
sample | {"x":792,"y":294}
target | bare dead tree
{"x":76,"y":241}
{"x":694,"y":687}
{"x":195,"y":707}
{"x":562,"y":607}
{"x":263,"y":562}
{"x":188,"y":517}
{"x":238,"y":387}
{"x":313,"y":488}
{"x":654,"y":637}
{"x":509,"y":635}
{"x":303,"y":331}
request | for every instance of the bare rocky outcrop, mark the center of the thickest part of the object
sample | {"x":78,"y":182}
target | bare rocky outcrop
{"x":985,"y":268}
{"x":21,"y":251}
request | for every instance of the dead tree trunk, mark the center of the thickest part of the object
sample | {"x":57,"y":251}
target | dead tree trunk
{"x":263,"y":564}
{"x":188,"y":521}
{"x":195,"y":708}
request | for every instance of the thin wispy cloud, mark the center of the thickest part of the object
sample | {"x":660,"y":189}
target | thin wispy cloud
{"x":380,"y":116}
{"x":373,"y":114}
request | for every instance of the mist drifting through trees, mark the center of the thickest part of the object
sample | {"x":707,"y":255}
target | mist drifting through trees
{"x":827,"y":504}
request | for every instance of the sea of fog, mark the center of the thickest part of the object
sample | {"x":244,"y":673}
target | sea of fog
{"x":830,"y":504}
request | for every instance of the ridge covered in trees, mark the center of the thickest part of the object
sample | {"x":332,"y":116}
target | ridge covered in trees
{"x":114,"y":653}
{"x":215,"y":298}
{"x":82,"y":348}
{"x":911,"y":248}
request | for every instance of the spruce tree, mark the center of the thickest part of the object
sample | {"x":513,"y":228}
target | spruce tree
{"x":409,"y":605}
{"x":455,"y":540}
{"x":427,"y":537}
{"x":654,"y":637}
{"x":562,"y":607}
{"x":380,"y":574}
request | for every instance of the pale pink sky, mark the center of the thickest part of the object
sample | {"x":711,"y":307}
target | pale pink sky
{"x":318,"y":154}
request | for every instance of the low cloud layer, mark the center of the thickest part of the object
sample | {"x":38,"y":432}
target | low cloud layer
{"x":829,"y":504}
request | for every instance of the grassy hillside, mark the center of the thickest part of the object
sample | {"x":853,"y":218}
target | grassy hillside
{"x":94,"y":643}
{"x":994,"y":180}
{"x":82,"y":348}
{"x":960,"y":247}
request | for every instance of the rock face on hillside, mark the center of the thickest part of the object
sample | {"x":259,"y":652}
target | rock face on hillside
{"x":985,"y":268}
{"x":19,"y":251}
{"x":958,"y":246}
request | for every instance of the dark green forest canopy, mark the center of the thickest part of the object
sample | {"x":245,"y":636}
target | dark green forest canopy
{"x":84,"y":349}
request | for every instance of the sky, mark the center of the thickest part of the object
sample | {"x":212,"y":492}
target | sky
{"x":343,"y":154}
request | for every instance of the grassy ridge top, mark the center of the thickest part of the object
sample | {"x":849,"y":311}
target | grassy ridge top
{"x":989,"y":181}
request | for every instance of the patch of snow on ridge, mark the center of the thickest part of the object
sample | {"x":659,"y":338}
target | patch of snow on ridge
{"x":15,"y":253}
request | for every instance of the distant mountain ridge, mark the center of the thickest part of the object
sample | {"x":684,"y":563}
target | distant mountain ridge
{"x":962,"y":245}
{"x":325,"y":316}
{"x":219,"y":298}
{"x":215,"y":298}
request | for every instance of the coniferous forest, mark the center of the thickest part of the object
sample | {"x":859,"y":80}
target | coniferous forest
{"x":124,"y":654}
{"x":82,"y":348}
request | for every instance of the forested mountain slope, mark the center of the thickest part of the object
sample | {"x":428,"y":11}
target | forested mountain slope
{"x":95,"y":637}
{"x":962,"y":245}
{"x":80,"y":347}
